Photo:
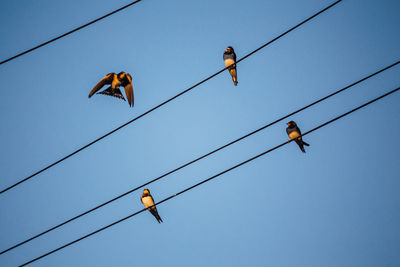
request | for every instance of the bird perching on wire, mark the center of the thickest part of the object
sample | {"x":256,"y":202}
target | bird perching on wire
{"x":115,"y":81}
{"x":148,"y":203}
{"x":230,"y":62}
{"x":294,"y":133}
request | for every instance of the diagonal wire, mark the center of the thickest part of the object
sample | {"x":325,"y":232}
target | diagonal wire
{"x":68,"y":33}
{"x":215,"y":176}
{"x":167,"y":101}
{"x":201,"y":157}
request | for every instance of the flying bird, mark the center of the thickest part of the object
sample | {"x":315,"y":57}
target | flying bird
{"x":115,"y":81}
{"x":148,"y":203}
{"x":229,"y":59}
{"x":294,"y":133}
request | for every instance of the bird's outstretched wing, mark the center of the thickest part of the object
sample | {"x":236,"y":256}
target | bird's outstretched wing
{"x":106,"y":80}
{"x":127,"y":84}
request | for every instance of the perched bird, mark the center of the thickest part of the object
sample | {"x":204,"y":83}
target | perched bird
{"x":294,"y":133}
{"x":148,"y":201}
{"x":229,"y":59}
{"x":115,"y":81}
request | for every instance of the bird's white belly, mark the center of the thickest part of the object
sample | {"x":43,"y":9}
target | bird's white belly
{"x":147,"y":201}
{"x":229,"y":62}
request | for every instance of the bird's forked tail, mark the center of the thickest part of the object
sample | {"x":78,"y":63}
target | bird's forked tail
{"x":113,"y":92}
{"x":233,"y":73}
{"x":156,"y":215}
{"x":300,"y":143}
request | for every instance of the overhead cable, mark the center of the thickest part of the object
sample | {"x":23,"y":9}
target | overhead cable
{"x":167,"y":101}
{"x":68,"y":33}
{"x":201,"y":157}
{"x":215,"y":176}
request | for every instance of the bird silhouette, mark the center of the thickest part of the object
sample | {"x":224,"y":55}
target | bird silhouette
{"x":229,"y":59}
{"x":294,"y":133}
{"x":148,"y":203}
{"x":115,"y":81}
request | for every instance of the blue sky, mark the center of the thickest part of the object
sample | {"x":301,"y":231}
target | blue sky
{"x":336,"y":205}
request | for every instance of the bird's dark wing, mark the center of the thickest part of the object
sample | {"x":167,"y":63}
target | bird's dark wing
{"x":300,"y":144}
{"x":106,"y":80}
{"x":127,"y":83}
{"x":234,"y":56}
{"x":154,"y":211}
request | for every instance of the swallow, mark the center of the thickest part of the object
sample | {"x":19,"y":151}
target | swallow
{"x":294,"y":133}
{"x":229,"y":59}
{"x":148,"y":203}
{"x":115,"y":81}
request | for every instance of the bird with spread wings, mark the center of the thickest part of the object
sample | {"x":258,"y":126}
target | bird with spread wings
{"x":115,"y":81}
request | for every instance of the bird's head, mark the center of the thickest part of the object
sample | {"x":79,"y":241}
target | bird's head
{"x":121,"y":74}
{"x":291,"y":124}
{"x":229,"y":49}
{"x":146,"y":191}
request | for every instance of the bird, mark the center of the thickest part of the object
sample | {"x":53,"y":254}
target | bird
{"x":148,"y":203}
{"x":115,"y":81}
{"x":229,"y":59}
{"x":294,"y":133}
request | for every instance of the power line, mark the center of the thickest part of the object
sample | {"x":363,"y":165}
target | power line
{"x":167,"y":101}
{"x":215,"y":176}
{"x":68,"y":33}
{"x":201,"y":157}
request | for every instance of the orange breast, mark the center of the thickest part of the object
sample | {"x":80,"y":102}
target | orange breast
{"x":294,"y":135}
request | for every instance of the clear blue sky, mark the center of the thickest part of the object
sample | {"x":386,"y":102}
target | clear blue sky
{"x":336,"y":205}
